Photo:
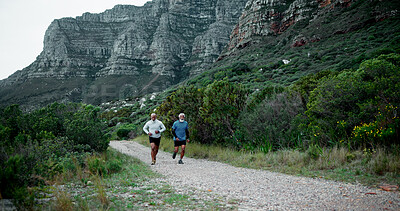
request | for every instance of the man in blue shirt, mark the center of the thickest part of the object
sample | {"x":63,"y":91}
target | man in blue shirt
{"x":180,"y":130}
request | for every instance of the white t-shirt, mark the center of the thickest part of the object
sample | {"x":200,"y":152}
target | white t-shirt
{"x":151,"y":127}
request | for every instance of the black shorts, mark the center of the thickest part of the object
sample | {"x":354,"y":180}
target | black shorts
{"x":179,"y":143}
{"x":156,"y":141}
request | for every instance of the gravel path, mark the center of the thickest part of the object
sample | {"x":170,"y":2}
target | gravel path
{"x":259,"y":189}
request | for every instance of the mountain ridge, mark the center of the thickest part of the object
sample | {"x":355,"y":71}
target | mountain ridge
{"x":279,"y":40}
{"x":170,"y":39}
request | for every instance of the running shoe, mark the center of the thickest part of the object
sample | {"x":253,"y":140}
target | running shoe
{"x":180,"y":161}
{"x":153,"y":162}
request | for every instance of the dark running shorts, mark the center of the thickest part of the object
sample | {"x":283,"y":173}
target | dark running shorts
{"x":179,"y":143}
{"x":156,"y":141}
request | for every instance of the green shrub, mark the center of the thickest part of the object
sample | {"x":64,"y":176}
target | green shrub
{"x":314,"y":151}
{"x":212,"y":112}
{"x":14,"y":176}
{"x":114,"y":166}
{"x":123,"y":133}
{"x":85,"y":128}
{"x":51,"y":119}
{"x":222,"y":104}
{"x":96,"y":165}
{"x":273,"y":124}
{"x":11,"y":119}
{"x":68,"y":164}
{"x":126,"y":131}
{"x":23,"y":199}
{"x":240,"y":68}
{"x":188,"y":100}
{"x":36,"y":146}
{"x":362,"y":103}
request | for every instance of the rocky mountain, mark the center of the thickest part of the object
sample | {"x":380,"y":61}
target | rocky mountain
{"x":284,"y":40}
{"x":274,"y":18}
{"x":125,"y":51}
{"x":130,"y":51}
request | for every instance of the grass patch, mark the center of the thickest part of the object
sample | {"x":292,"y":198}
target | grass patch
{"x":370,"y":168}
{"x":133,"y":186}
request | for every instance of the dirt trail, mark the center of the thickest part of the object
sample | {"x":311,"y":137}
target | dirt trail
{"x":259,"y":189}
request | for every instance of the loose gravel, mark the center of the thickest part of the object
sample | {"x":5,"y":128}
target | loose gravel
{"x":259,"y":189}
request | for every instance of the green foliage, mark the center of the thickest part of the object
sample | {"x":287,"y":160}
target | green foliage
{"x":86,"y":129}
{"x":114,"y":166}
{"x":273,"y":124}
{"x":314,"y":151}
{"x":126,"y":131}
{"x":188,"y":100}
{"x":266,"y":92}
{"x":362,"y":103}
{"x":5,"y":135}
{"x":33,"y":146}
{"x":13,"y":175}
{"x":212,"y":112}
{"x":222,"y":104}
{"x":240,"y":68}
{"x":103,"y":165}
{"x":10,"y":117}
{"x":123,"y":133}
{"x":96,"y":165}
{"x":324,"y":109}
{"x":308,"y":83}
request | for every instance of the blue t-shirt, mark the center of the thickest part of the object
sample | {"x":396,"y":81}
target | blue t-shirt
{"x":180,"y":129}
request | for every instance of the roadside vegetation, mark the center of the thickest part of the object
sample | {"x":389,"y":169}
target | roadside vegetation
{"x":339,"y":125}
{"x":57,"y":158}
{"x":127,"y":185}
{"x":349,"y":108}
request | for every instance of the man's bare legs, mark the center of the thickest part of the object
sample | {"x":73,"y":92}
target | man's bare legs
{"x":154,"y":151}
{"x":183,"y":147}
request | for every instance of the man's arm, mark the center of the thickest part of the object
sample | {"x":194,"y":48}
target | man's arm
{"x":162,"y":127}
{"x":146,"y":128}
{"x":173,"y":132}
{"x":187,"y":133}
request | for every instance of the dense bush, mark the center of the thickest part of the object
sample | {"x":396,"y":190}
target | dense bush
{"x":34,"y":145}
{"x":273,"y":123}
{"x":126,"y":131}
{"x":222,"y":103}
{"x":86,"y":129}
{"x":212,"y":112}
{"x":359,"y":106}
{"x":354,"y":107}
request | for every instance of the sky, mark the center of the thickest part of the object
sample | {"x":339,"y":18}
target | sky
{"x":23,"y":24}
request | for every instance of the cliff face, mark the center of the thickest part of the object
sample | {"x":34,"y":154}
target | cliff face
{"x":133,"y":50}
{"x":318,"y":19}
{"x":274,"y":17}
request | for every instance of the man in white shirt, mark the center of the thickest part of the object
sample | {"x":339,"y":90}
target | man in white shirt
{"x":154,"y":128}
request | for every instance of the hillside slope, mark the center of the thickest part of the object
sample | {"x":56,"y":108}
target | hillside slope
{"x":348,"y":33}
{"x":281,"y":41}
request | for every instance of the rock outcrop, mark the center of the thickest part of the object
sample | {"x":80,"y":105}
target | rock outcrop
{"x":272,"y":18}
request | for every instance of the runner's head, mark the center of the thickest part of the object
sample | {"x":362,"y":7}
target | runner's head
{"x":181,"y":117}
{"x":153,"y":116}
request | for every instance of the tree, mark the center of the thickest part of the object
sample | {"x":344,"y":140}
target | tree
{"x":86,"y":129}
{"x":222,"y":103}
